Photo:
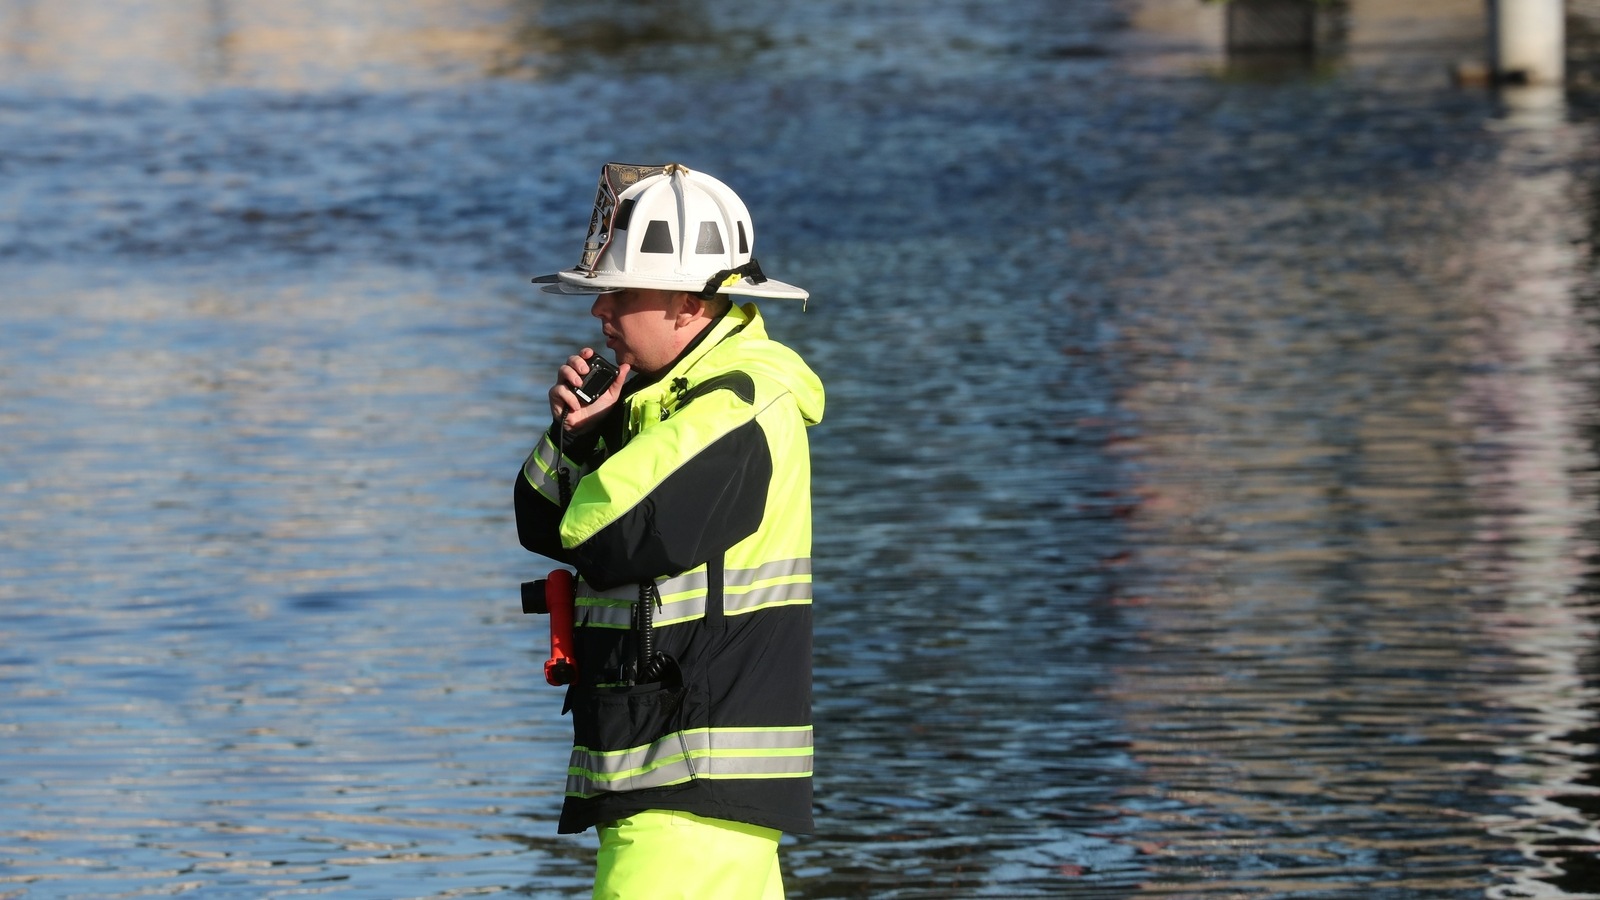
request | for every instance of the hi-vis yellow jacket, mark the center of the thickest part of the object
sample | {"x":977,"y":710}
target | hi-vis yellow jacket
{"x":700,"y":482}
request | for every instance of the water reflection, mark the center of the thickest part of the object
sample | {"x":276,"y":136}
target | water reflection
{"x":1347,"y":33}
{"x":189,"y":45}
{"x":222,"y":667}
{"x":1334,"y":553}
{"x":628,"y":35}
{"x":1206,"y":501}
{"x":199,"y":45}
{"x":1535,"y":542}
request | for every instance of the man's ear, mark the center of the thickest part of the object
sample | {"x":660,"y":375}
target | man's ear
{"x":690,"y":307}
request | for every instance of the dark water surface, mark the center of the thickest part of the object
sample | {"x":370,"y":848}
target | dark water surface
{"x":1206,"y":504}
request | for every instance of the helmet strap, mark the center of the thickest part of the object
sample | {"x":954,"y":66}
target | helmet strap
{"x":750,"y":271}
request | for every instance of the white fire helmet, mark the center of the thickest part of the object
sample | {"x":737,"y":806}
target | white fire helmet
{"x":669,"y":229}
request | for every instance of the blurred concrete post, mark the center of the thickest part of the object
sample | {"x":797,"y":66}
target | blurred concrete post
{"x":1271,"y":25}
{"x":1285,"y":28}
{"x":1528,"y":41}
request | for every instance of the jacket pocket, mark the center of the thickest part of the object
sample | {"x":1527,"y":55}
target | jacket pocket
{"x":627,"y":718}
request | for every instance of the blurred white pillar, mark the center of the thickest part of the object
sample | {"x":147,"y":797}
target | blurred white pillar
{"x":1528,"y":40}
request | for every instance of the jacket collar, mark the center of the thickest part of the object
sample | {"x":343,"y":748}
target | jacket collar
{"x":725,"y":325}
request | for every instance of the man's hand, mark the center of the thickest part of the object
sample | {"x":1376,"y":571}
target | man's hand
{"x":563,"y":400}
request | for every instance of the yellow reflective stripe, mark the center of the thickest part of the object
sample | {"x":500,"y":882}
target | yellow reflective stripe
{"x":781,"y":593}
{"x":783,"y":582}
{"x":682,"y":607}
{"x":613,"y":608}
{"x":540,"y":469}
{"x":780,"y":568}
{"x":602,"y":612}
{"x":752,"y":737}
{"x":776,"y":752}
{"x":683,"y":599}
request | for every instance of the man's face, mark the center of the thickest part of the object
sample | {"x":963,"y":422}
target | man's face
{"x":640,"y":326}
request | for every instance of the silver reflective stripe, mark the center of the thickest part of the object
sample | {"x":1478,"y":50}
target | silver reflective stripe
{"x":780,"y":594}
{"x":602,"y":612}
{"x":540,"y":469}
{"x":683,"y":597}
{"x":613,"y":608}
{"x":777,"y":583}
{"x":687,"y":755}
{"x":604,"y":609}
{"x":782,"y":568}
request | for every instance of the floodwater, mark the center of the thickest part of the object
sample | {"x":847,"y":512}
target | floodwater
{"x":1207,"y":503}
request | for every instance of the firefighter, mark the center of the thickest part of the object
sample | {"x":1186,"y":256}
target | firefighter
{"x":680,"y":493}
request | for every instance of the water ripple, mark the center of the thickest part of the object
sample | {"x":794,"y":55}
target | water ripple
{"x":1205,"y":505}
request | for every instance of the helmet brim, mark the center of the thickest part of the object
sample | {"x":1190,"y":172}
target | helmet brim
{"x":573,"y":283}
{"x":770,"y":289}
{"x":552,"y":284}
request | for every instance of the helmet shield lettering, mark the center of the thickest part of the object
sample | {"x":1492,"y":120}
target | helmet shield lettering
{"x":614,"y":179}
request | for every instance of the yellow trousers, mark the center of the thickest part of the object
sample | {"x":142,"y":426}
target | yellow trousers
{"x":668,"y":855}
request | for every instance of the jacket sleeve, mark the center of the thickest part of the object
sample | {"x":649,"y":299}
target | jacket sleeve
{"x":677,"y":495}
{"x":537,"y":497}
